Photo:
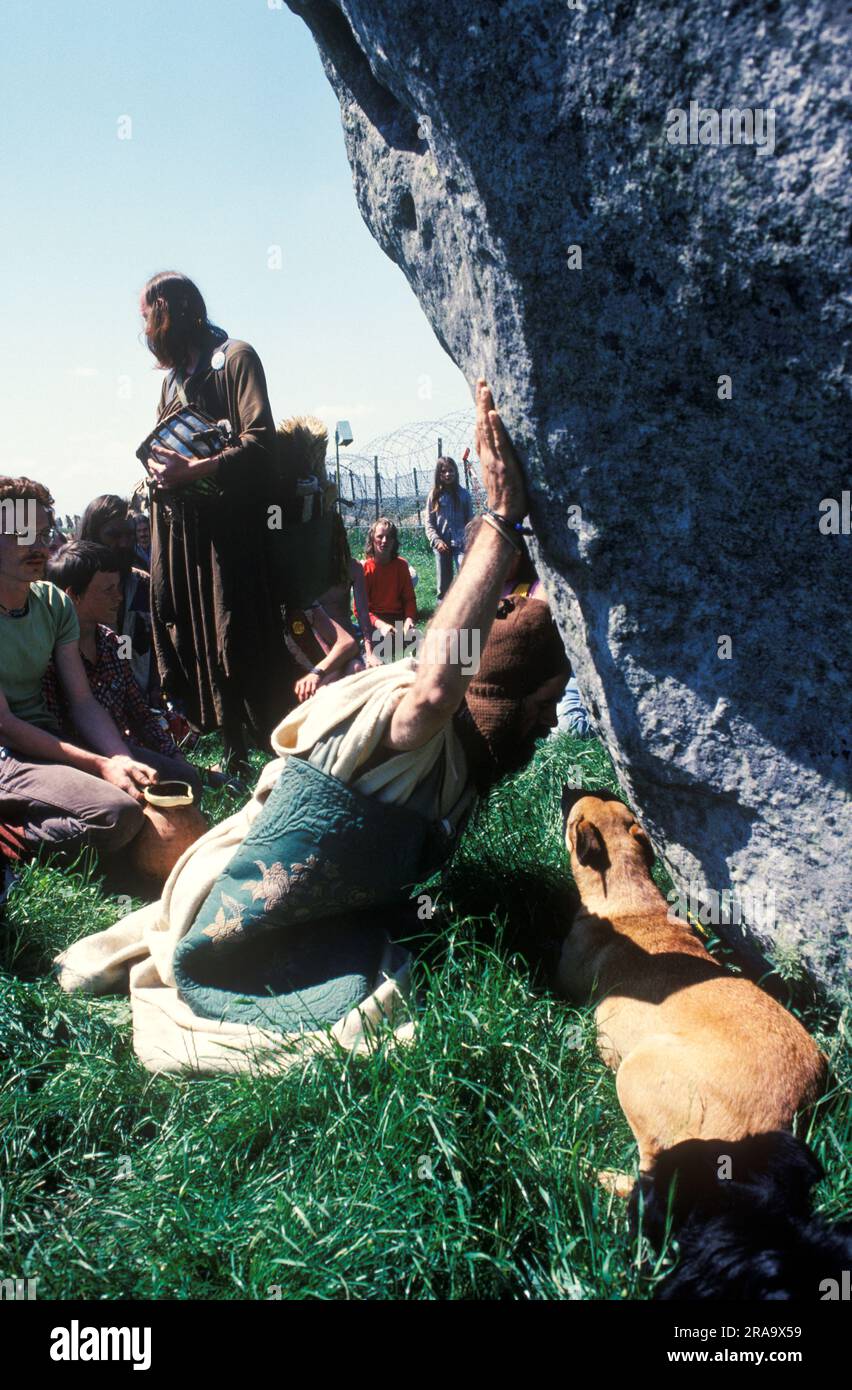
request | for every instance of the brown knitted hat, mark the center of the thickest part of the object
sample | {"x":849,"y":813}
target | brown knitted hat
{"x":523,"y":651}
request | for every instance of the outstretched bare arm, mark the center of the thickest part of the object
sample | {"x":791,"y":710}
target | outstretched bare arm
{"x":472,"y":601}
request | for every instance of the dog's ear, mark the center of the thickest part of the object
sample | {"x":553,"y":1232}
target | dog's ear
{"x":639,"y":834}
{"x":588,"y":844}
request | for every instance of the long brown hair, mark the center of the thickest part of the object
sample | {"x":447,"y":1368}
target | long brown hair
{"x":370,"y":549}
{"x":438,"y":486}
{"x":99,"y":513}
{"x":178,"y":324}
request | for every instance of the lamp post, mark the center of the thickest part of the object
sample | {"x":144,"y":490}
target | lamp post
{"x":342,"y":435}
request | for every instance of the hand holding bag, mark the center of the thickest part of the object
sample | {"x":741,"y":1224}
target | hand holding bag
{"x":191,"y":433}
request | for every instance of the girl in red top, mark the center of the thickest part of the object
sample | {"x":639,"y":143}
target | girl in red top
{"x":390,"y":592}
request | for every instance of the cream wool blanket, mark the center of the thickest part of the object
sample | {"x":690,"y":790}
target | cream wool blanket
{"x":137,"y":952}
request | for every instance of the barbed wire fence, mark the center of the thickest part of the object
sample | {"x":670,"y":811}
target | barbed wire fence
{"x":395,"y":472}
{"x":392,"y":475}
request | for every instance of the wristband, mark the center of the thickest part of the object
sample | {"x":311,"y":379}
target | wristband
{"x":513,"y":525}
{"x":500,"y":529}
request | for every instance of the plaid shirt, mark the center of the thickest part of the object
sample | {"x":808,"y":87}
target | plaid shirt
{"x":113,"y":685}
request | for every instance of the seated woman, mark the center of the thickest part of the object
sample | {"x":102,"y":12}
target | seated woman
{"x":91,"y":577}
{"x":322,"y":646}
{"x":269,"y":939}
{"x":390,"y":591}
{"x":349,"y":586}
{"x":107,"y":521}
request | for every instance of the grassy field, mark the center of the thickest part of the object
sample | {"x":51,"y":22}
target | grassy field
{"x":459,"y":1167}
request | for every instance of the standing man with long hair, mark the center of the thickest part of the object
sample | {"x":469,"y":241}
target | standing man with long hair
{"x":448,"y":511}
{"x":217,"y":629}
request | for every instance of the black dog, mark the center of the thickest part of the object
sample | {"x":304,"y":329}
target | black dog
{"x":742,"y":1215}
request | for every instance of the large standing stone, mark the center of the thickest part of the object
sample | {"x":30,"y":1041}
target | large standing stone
{"x":514,"y":160}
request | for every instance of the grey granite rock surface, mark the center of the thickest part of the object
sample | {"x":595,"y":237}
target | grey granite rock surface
{"x":488,"y":141}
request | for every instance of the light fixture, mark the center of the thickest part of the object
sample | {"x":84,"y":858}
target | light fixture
{"x":342,"y":435}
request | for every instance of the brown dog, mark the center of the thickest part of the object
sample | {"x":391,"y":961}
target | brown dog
{"x":699,"y":1053}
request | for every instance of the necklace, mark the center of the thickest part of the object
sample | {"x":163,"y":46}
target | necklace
{"x":14,"y":612}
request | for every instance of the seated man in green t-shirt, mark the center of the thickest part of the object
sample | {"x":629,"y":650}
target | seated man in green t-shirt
{"x":53,"y":791}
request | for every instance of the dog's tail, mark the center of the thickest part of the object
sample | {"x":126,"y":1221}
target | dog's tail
{"x":742,"y":1215}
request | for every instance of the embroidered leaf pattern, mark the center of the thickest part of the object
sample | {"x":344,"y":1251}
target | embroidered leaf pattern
{"x":272,"y":886}
{"x":276,"y":881}
{"x":228,"y":920}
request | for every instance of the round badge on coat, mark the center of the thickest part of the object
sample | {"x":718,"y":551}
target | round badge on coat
{"x":217,"y":360}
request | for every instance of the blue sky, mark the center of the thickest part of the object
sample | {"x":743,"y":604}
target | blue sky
{"x":235,"y":147}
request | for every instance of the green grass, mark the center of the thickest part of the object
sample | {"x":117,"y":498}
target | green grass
{"x":459,"y":1167}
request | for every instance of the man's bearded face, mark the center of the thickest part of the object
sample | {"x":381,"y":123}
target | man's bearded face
{"x":515,"y":745}
{"x":119,"y":537}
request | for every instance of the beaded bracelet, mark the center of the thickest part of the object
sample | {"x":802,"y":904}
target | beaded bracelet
{"x":513,"y":525}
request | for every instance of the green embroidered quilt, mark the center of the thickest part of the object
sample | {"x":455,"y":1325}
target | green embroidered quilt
{"x":284,"y":939}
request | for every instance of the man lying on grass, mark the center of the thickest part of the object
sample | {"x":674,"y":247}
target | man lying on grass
{"x":54,"y":790}
{"x":266,"y":938}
